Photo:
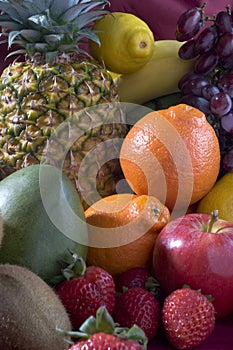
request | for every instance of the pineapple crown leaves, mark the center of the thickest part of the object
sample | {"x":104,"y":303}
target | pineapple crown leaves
{"x":49,"y":27}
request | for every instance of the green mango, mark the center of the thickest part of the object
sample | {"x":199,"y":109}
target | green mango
{"x":43,"y":220}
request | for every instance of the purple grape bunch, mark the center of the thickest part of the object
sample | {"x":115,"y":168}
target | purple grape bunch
{"x":209,"y":87}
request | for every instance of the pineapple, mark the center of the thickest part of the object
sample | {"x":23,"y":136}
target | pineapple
{"x":59,"y":106}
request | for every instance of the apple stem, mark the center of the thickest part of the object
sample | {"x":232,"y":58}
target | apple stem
{"x":212,"y":220}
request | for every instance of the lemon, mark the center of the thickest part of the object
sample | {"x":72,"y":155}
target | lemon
{"x":126,"y":42}
{"x":220,"y":197}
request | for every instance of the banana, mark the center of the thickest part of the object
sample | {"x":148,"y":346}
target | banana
{"x":165,"y":49}
{"x":158,"y":77}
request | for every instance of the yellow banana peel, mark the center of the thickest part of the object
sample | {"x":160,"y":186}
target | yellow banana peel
{"x":158,"y":77}
{"x":165,"y":49}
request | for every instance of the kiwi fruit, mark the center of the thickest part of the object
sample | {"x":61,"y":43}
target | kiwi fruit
{"x":30,"y":312}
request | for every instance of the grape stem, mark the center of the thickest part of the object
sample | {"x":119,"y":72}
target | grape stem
{"x":228,"y":8}
{"x":210,"y":18}
{"x":202,"y":9}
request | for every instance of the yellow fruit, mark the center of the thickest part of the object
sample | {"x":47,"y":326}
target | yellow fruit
{"x":162,"y":49}
{"x":158,"y":77}
{"x":126,"y":42}
{"x":166,"y":48}
{"x":220,"y":197}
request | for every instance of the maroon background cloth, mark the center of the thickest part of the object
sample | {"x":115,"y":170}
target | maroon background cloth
{"x":162,"y":15}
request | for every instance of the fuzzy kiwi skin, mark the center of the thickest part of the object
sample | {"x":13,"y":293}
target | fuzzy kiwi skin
{"x":30,"y":311}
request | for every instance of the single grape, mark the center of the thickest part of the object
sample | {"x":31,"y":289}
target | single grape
{"x":227,"y":122}
{"x":198,"y":102}
{"x":225,"y":84}
{"x":194,"y":86}
{"x":188,"y":24}
{"x":206,"y":40}
{"x":188,"y":76}
{"x":209,"y":90}
{"x":225,"y":45}
{"x":188,"y":50}
{"x":184,"y":37}
{"x":206,"y":62}
{"x":220,"y":104}
{"x":223,"y":22}
{"x":227,"y":161}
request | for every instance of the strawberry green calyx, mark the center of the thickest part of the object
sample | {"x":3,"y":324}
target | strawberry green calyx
{"x":208,"y":296}
{"x":134,"y":333}
{"x":74,"y":266}
{"x":104,"y":323}
{"x":153,"y":286}
{"x":77,"y":267}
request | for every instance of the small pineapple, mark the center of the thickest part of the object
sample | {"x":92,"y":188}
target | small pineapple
{"x":52,"y":91}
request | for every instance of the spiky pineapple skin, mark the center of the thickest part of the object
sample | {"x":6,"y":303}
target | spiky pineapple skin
{"x":36,"y":100}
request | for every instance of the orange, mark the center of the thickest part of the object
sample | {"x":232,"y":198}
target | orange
{"x":172,"y":154}
{"x":122,"y":230}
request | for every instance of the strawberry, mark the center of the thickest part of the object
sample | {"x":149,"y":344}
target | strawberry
{"x":134,"y":277}
{"x":101,"y":332}
{"x":85,"y":290}
{"x":100,"y":341}
{"x":138,"y":277}
{"x":188,"y":318}
{"x":138,"y":306}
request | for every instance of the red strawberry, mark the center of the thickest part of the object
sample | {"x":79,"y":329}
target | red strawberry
{"x":101,"y":332}
{"x":138,"y":277}
{"x":101,"y":341}
{"x":84,"y":292}
{"x":138,"y":306}
{"x":188,"y":318}
{"x":135,"y":277}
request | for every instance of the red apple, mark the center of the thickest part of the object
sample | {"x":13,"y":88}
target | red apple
{"x":197,"y":250}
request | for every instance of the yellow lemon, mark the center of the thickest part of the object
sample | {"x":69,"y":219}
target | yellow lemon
{"x":220,"y":197}
{"x":126,"y":42}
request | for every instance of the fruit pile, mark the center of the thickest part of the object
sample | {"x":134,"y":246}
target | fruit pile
{"x":209,"y":86}
{"x":136,"y":304}
{"x":86,"y":262}
{"x":110,"y":302}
